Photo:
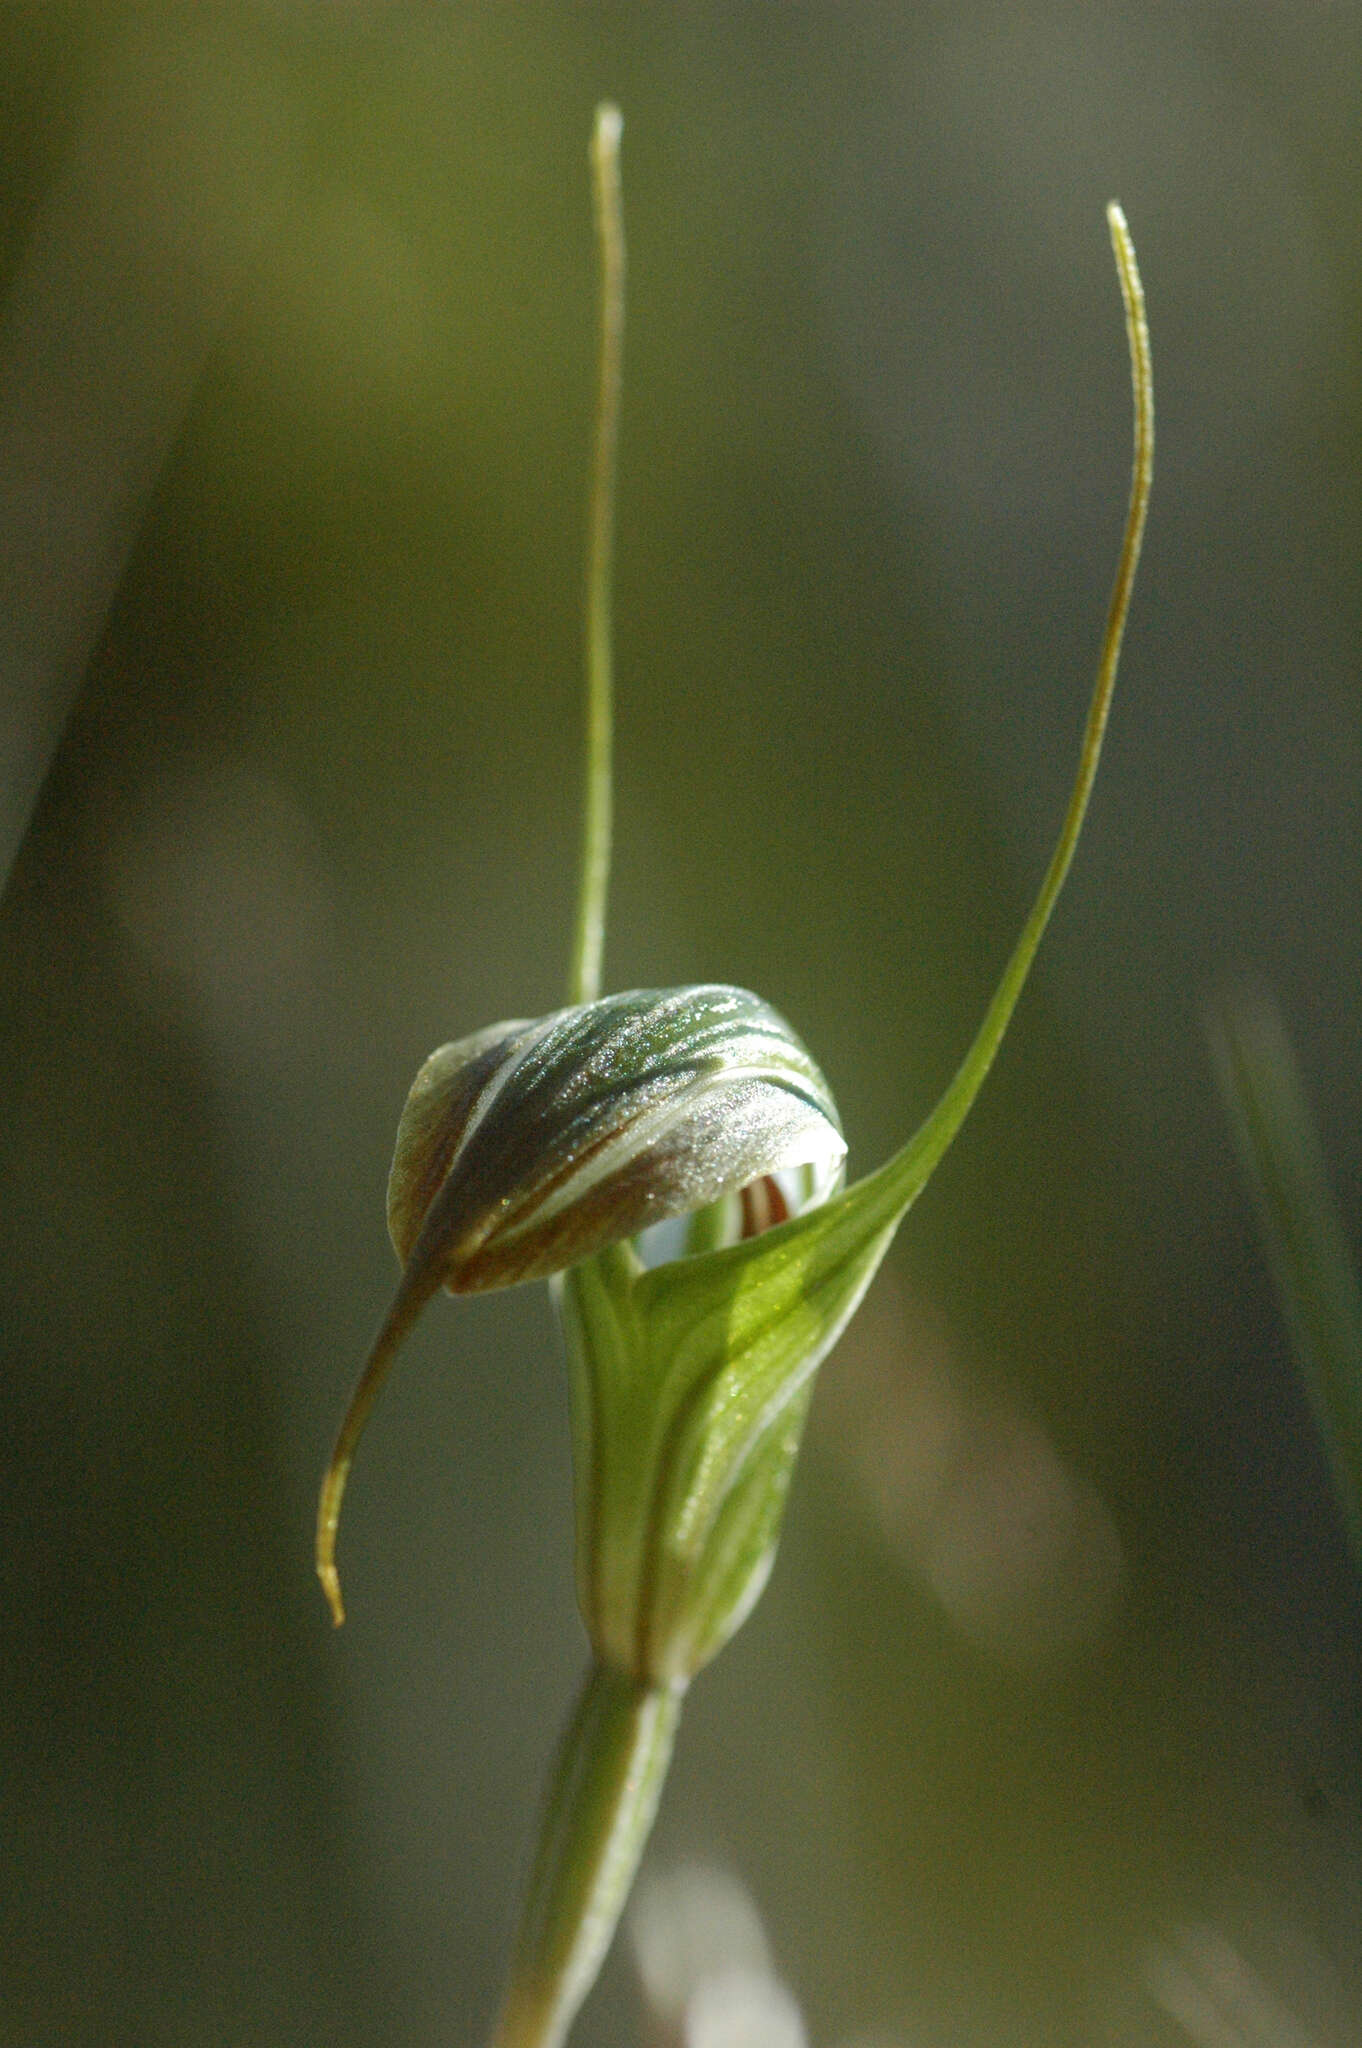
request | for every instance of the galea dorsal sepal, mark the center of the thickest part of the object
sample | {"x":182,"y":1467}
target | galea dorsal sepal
{"x":533,"y":1145}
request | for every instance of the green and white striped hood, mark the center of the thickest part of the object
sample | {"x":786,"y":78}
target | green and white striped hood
{"x":532,"y":1145}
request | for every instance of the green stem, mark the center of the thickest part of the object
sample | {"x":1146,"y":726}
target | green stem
{"x":606,"y":1785}
{"x":584,"y":979}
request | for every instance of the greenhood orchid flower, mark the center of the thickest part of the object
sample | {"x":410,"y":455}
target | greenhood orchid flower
{"x":672,"y":1162}
{"x":526,"y":1148}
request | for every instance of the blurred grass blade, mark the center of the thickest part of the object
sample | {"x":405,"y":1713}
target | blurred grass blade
{"x":1314,"y":1271}
{"x":176,"y":169}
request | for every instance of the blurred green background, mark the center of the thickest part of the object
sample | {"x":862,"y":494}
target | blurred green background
{"x":1048,"y":1729}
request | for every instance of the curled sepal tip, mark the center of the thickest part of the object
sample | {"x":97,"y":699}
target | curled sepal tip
{"x":533,"y":1145}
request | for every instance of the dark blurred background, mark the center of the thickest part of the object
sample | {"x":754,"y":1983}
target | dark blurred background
{"x":1048,"y":1729}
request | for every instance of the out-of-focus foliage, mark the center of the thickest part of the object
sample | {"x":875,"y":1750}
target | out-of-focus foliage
{"x":296,"y":362}
{"x":1303,"y":1234}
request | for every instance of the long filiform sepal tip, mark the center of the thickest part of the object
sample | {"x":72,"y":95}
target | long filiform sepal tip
{"x":328,"y":1517}
{"x":417,"y":1285}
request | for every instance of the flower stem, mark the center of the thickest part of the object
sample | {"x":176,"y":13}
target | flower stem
{"x":584,"y":979}
{"x":605,"y":1789}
